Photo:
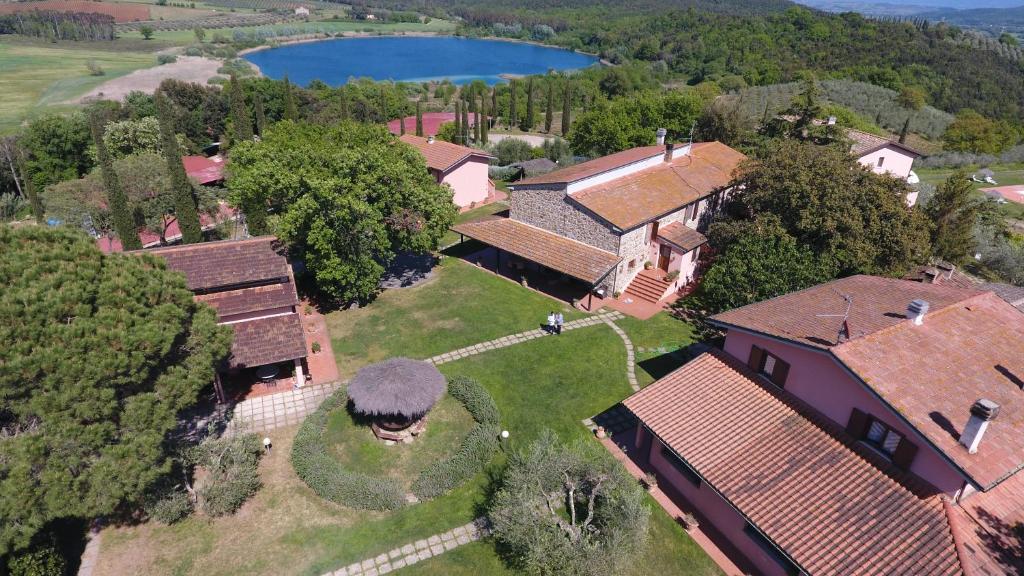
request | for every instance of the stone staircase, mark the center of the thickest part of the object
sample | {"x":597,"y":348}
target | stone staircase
{"x":648,"y":286}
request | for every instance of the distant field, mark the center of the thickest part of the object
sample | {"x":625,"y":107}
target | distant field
{"x":327,"y":26}
{"x":122,"y":12}
{"x":32,"y":76}
{"x":1005,"y":175}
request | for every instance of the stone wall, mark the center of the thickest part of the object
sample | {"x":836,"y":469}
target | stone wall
{"x":551,"y":210}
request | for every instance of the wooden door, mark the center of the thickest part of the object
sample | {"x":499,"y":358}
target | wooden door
{"x":663,"y":257}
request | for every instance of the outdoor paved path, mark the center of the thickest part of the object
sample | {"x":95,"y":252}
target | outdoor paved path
{"x":630,"y":352}
{"x":521,"y":337}
{"x":265,"y":413}
{"x":416,"y":551}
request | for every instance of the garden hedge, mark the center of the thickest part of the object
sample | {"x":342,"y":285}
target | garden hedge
{"x":325,"y":475}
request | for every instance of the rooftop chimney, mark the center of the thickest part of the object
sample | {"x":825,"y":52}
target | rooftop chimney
{"x":916,"y":311}
{"x":982,"y":412}
{"x":430,"y":139}
{"x":669,"y":148}
{"x":661,"y":135}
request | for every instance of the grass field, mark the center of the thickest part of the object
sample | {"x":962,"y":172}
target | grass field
{"x":328,"y":26}
{"x":34,"y":74}
{"x":1005,"y":175}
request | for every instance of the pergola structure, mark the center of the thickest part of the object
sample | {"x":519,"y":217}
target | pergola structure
{"x":397,"y":394}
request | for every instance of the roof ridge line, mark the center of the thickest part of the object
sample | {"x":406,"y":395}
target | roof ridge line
{"x":901,"y":325}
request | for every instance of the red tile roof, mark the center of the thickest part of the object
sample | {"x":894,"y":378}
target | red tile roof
{"x":150,"y":239}
{"x":204,"y":170}
{"x":431,"y":123}
{"x":267,"y":341}
{"x":596,"y":166}
{"x":637,"y":198}
{"x":865,"y":143}
{"x":441,"y":155}
{"x":252,"y":299}
{"x":228,"y":263}
{"x":969,"y":347}
{"x":681,"y":235}
{"x":576,"y":259}
{"x":830,"y":510}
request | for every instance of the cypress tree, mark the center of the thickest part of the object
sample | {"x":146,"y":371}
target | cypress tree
{"x":476,"y":122}
{"x":30,"y":190}
{"x":120,"y":213}
{"x":291,"y":111}
{"x":906,"y":129}
{"x":401,"y":126}
{"x":184,"y":199}
{"x":566,"y":109}
{"x":512,"y":103}
{"x":345,"y":114}
{"x":486,"y":120}
{"x":465,"y":122}
{"x":549,"y":113}
{"x":494,"y":102}
{"x":419,"y":118}
{"x":527,"y":123}
{"x":261,"y":117}
{"x":458,"y":122}
{"x":240,"y":117}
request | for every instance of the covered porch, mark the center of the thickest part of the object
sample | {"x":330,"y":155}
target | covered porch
{"x":267,"y":356}
{"x":539,"y":259}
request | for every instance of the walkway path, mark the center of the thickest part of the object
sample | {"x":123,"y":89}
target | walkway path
{"x":265,"y":413}
{"x":415,"y":552}
{"x":630,"y":353}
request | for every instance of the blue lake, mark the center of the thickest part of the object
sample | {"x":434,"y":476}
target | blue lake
{"x":412,"y":59}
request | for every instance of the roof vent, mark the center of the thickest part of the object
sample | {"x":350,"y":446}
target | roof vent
{"x":982,"y":412}
{"x":661,"y":135}
{"x":669,"y":151}
{"x":430,"y":139}
{"x":916,"y":311}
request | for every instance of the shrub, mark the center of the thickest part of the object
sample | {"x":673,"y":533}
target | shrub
{"x":316,"y":348}
{"x":94,"y":68}
{"x":193,"y":51}
{"x":325,"y":476}
{"x":232,"y":477}
{"x":475,"y":398}
{"x":169,"y":506}
{"x":166,"y":59}
{"x":512,"y":150}
{"x":42,"y":559}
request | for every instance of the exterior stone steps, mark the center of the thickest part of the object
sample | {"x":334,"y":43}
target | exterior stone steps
{"x":648,"y":286}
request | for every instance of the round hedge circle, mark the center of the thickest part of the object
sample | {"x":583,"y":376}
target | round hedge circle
{"x":329,"y":480}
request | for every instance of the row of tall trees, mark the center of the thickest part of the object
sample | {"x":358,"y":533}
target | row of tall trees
{"x":56,"y":25}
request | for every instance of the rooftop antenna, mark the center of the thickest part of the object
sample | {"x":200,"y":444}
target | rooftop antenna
{"x":844,"y":328}
{"x":689,"y":141}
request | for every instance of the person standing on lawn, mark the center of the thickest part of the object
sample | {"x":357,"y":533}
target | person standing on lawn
{"x":559,"y":320}
{"x":551,"y":322}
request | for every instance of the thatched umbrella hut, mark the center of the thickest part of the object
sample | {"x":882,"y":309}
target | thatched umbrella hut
{"x":396,"y":393}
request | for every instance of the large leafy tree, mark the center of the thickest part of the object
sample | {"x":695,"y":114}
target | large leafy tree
{"x":569,"y":510}
{"x":972,"y":132}
{"x":954,"y":212}
{"x":57,"y":147}
{"x":345,"y":197}
{"x":827,"y":201}
{"x":101,"y":353}
{"x":612,"y":126}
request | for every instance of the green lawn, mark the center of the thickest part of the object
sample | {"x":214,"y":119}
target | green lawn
{"x":436,"y":26}
{"x":657,"y":341}
{"x":34,"y":74}
{"x":1005,"y":175}
{"x":461,"y":305}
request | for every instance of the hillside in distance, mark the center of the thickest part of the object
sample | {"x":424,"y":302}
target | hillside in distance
{"x":739,"y":7}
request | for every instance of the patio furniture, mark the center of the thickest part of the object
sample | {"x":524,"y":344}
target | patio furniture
{"x":268,"y":373}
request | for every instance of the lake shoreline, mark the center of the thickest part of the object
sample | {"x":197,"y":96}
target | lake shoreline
{"x":320,"y":37}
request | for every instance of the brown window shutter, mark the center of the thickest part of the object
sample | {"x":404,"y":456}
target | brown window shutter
{"x":756,"y":357}
{"x":780,"y":373}
{"x":858,"y":424}
{"x":904,"y":454}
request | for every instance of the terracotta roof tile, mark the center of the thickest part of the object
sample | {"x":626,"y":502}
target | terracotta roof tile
{"x":267,"y":341}
{"x":830,"y":510}
{"x":681,"y":235}
{"x":595,"y":166}
{"x":441,"y":155}
{"x":211,"y":265}
{"x":251,"y":299}
{"x":634,"y":199}
{"x":865,"y":143}
{"x":576,"y":259}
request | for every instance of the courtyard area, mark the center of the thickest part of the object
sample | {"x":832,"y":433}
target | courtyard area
{"x":537,"y":381}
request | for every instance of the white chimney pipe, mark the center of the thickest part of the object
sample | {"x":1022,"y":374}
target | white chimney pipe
{"x":916,"y":311}
{"x":661,"y":136}
{"x":982,"y":412}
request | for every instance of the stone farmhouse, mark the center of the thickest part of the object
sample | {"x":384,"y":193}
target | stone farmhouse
{"x":601,"y":221}
{"x":462,"y":168}
{"x":863,"y":426}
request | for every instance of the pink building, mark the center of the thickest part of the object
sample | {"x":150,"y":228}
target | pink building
{"x":638,"y":212}
{"x":463,"y":169}
{"x":866,"y":425}
{"x":885,"y":156}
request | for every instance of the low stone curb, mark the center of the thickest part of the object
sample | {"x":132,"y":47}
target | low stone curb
{"x":630,"y":353}
{"x":417,"y":551}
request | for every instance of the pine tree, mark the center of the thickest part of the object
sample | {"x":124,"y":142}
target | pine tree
{"x":567,"y":109}
{"x":549,"y":113}
{"x":511,"y":104}
{"x":261,"y":117}
{"x":906,"y":129}
{"x":291,"y":111}
{"x":184,"y":199}
{"x":527,"y":124}
{"x":120,"y":213}
{"x":954,"y":212}
{"x":465,"y":122}
{"x":419,"y":118}
{"x":240,"y":117}
{"x":485,"y":119}
{"x":458,"y":122}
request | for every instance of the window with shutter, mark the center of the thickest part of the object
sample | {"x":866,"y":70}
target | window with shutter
{"x":756,"y":357}
{"x":769,"y":365}
{"x":857,"y":426}
{"x":904,"y":454}
{"x":881,"y":437}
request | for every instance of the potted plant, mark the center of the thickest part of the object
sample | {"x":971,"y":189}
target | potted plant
{"x":671,"y":276}
{"x":316,"y":347}
{"x":689,"y":521}
{"x":648,"y":265}
{"x":650,"y":481}
{"x":600,"y":433}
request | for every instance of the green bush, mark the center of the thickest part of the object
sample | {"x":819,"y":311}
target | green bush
{"x":231,"y":472}
{"x":325,"y":475}
{"x":42,"y":559}
{"x":475,"y":451}
{"x":166,"y":59}
{"x":169,"y":506}
{"x":193,"y":51}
